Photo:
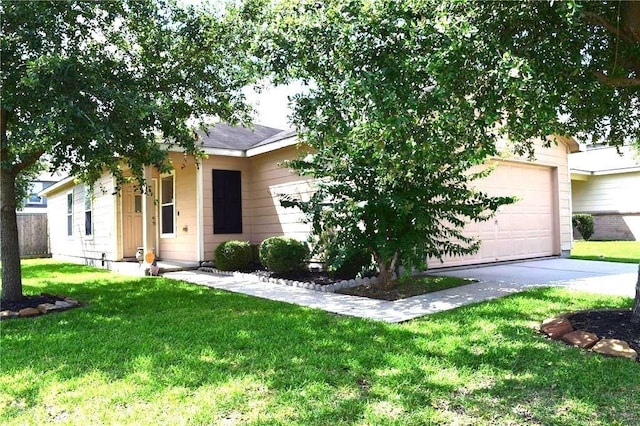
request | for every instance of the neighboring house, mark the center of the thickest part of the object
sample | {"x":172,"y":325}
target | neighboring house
{"x":35,"y":203}
{"x":234,"y":194}
{"x":605,"y":183}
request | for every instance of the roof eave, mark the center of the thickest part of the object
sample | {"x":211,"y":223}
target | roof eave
{"x":57,"y":187}
{"x":282,"y":143}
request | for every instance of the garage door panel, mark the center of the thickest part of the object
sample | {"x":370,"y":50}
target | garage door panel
{"x":521,"y":230}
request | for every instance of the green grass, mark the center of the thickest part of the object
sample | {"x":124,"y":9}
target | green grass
{"x":157,"y":351}
{"x":611,"y":251}
{"x":431,"y":283}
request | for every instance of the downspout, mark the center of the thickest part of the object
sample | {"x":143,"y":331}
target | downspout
{"x":200,"y":211}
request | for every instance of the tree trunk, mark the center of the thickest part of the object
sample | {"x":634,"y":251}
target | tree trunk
{"x":9,"y":249}
{"x":385,"y":269}
{"x":635,"y":313}
{"x":11,"y":272}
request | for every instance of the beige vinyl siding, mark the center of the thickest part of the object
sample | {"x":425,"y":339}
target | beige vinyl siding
{"x":607,"y":193}
{"x":184,"y":245}
{"x":80,"y":247}
{"x":270,"y":180}
{"x":211,"y":240}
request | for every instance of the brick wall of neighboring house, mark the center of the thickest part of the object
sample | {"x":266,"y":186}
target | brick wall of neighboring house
{"x":613,"y":226}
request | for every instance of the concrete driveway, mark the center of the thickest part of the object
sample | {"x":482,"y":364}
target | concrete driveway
{"x":586,"y":275}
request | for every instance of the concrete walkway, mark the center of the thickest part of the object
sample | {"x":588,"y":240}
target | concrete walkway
{"x":493,"y":281}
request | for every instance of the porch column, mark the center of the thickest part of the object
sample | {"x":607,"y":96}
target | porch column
{"x":148,"y":215}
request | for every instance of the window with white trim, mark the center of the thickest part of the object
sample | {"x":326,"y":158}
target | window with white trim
{"x":167,"y":206}
{"x":34,"y":198}
{"x":88,"y":211}
{"x":70,"y":213}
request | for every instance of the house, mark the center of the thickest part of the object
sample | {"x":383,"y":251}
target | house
{"x":605,"y":182}
{"x":231,"y":194}
{"x":35,"y":203}
{"x":234,"y":194}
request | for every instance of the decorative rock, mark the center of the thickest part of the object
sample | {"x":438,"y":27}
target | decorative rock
{"x":7,"y":315}
{"x":374,"y":280}
{"x":63,"y":304}
{"x":28,"y":312}
{"x":47,"y":307}
{"x":366,"y":281}
{"x":581,"y":339}
{"x":615,"y":347}
{"x":74,"y":302}
{"x":556,"y":327}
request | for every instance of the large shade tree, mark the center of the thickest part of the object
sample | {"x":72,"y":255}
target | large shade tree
{"x":94,"y":86}
{"x":524,"y":70}
{"x":392,"y":152}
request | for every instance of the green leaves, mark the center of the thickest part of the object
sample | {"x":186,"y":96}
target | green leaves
{"x":393,"y":147}
{"x":97,"y":84}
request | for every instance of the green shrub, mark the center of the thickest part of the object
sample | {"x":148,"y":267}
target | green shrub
{"x":283,"y":254}
{"x":346,"y":264}
{"x":584,"y":224}
{"x":233,"y":255}
{"x":255,"y":253}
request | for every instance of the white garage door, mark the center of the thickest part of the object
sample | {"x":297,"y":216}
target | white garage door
{"x":522,"y":230}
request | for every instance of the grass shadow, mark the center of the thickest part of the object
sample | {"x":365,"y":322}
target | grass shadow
{"x":144,"y":348}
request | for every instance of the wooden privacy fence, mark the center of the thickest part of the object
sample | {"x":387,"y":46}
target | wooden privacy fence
{"x":33,"y":235}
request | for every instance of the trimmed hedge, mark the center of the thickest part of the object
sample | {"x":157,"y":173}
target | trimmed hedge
{"x":584,"y":224}
{"x":233,"y":255}
{"x":283,"y":254}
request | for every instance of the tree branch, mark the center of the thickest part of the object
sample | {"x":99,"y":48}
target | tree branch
{"x":614,"y":29}
{"x":616,"y":81}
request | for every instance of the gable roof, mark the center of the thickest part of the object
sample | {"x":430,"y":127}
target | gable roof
{"x":241,"y":138}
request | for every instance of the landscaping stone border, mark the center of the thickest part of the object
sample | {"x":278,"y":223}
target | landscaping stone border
{"x":560,"y":328}
{"x":329,"y":288}
{"x":62,"y":304}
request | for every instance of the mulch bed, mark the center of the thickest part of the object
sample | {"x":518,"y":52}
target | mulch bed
{"x":29,"y":302}
{"x":402,"y":291}
{"x":608,"y":324}
{"x":406,"y":289}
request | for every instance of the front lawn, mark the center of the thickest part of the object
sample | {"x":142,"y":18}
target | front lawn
{"x":611,"y":251}
{"x":158,"y":351}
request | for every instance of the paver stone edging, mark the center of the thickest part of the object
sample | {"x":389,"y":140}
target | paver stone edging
{"x":560,"y":328}
{"x":62,"y":304}
{"x":329,"y":288}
